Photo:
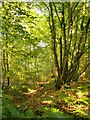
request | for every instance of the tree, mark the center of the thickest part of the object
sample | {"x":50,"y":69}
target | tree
{"x":13,"y":16}
{"x":24,"y":56}
{"x":35,"y":34}
{"x":72,"y":40}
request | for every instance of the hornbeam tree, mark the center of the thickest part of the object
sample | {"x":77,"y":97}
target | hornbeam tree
{"x":72,"y":22}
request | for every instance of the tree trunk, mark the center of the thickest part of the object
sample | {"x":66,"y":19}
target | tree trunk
{"x":7,"y":62}
{"x":53,"y":32}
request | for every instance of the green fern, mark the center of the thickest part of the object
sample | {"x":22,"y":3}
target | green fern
{"x":29,"y":114}
{"x":10,"y":111}
{"x":51,"y":113}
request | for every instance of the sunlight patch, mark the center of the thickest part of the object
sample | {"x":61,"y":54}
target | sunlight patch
{"x":31,"y":90}
{"x":47,"y":102}
{"x":80,"y":94}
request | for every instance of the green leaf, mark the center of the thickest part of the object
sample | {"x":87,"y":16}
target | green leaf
{"x":84,"y":100}
{"x":29,"y":114}
{"x":51,"y":113}
{"x":63,"y":95}
{"x":14,"y":112}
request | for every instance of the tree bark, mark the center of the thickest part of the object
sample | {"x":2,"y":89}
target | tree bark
{"x":53,"y":32}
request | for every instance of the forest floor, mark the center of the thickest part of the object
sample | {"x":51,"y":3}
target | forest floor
{"x":73,"y":99}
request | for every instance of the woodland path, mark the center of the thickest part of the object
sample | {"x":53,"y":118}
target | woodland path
{"x":70,"y":100}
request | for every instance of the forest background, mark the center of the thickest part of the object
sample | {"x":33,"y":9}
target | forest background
{"x":45,"y":46}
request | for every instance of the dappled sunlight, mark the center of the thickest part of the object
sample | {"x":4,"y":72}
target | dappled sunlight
{"x":31,"y":91}
{"x":46,"y":60}
{"x":47,"y":102}
{"x":80,"y":110}
{"x":81,"y":94}
{"x":72,"y":100}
